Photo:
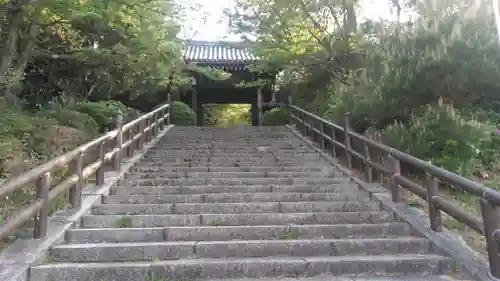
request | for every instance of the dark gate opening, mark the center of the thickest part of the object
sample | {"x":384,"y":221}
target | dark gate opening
{"x":234,"y":58}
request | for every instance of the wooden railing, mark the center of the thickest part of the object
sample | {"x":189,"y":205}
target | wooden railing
{"x":126,"y":138}
{"x":488,"y":226}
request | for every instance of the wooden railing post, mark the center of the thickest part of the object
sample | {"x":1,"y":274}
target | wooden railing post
{"x":334,"y":146}
{"x":140,"y":126}
{"x":304,"y":120}
{"x":130,"y":135}
{"x":151,"y":125}
{"x":395,"y":169}
{"x":314,"y":135}
{"x":99,"y":175}
{"x":368,"y":167}
{"x":169,"y":109}
{"x":41,"y":218}
{"x":434,"y":212}
{"x":161,"y":115}
{"x":148,"y":132}
{"x":290,"y":113}
{"x":322,"y":136}
{"x":491,"y":223}
{"x":119,"y":142}
{"x":347,"y":140}
{"x":154,"y":130}
{"x":75,"y":192}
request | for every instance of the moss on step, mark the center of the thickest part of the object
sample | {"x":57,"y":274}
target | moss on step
{"x":124,"y":222}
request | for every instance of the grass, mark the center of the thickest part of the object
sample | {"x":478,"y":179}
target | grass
{"x":46,"y":259}
{"x":289,"y":234}
{"x":154,"y":277}
{"x":219,"y":222}
{"x":339,"y":235}
{"x":124,"y":222}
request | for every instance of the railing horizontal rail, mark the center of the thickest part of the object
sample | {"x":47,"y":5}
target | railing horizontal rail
{"x":489,"y":225}
{"x":124,"y":136}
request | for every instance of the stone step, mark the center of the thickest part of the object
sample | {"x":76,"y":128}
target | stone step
{"x":233,"y":208}
{"x":95,"y":221}
{"x":229,"y":158}
{"x":170,"y":156}
{"x":233,"y":164}
{"x":115,"y":252}
{"x":248,"y":232}
{"x":163,"y":190}
{"x":229,"y":181}
{"x":230,"y":144}
{"x":177,"y":175}
{"x":191,"y":269}
{"x":239,"y":149}
{"x":242,"y":162}
{"x":232,"y":151}
{"x":236,"y":155}
{"x":365,"y":277}
{"x":234,"y":197}
{"x":258,"y":169}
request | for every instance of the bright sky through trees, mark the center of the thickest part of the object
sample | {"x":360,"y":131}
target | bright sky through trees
{"x":215,"y":26}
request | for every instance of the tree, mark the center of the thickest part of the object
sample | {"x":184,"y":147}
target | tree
{"x":104,"y":48}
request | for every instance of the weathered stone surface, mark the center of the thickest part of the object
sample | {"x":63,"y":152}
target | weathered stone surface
{"x":115,"y":235}
{"x":208,"y":204}
{"x":228,"y":181}
{"x":145,"y":251}
{"x":159,"y":190}
{"x":233,"y":208}
{"x":243,"y":267}
{"x":233,"y":197}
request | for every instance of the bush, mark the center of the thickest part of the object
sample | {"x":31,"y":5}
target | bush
{"x":31,"y":130}
{"x":27,"y":139}
{"x":105,"y":112}
{"x":276,"y":117}
{"x":73,"y":119}
{"x":182,"y":114}
{"x":443,"y":137}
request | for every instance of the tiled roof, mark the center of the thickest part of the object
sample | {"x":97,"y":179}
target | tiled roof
{"x":217,"y":52}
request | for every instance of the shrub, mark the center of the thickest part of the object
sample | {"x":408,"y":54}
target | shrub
{"x":182,"y":114}
{"x":443,"y":137}
{"x":27,"y":139}
{"x":31,"y":130}
{"x":73,"y":119}
{"x":276,"y":117}
{"x":105,"y":112}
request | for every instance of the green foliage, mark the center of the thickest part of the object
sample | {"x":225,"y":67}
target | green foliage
{"x":447,"y":53}
{"x":214,"y":73}
{"x":226,"y":115}
{"x":182,"y":114}
{"x":276,"y":117}
{"x":444,"y":138}
{"x":30,"y":132}
{"x":28,"y":139}
{"x":104,"y":113}
{"x":101,"y":49}
{"x":73,"y":119}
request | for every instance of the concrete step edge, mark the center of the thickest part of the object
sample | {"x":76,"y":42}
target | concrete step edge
{"x":400,"y":239}
{"x":381,"y":258}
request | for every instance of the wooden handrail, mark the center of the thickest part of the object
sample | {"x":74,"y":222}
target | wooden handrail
{"x":146,"y":126}
{"x":488,"y":225}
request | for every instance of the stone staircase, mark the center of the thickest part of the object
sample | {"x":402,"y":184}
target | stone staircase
{"x":212,"y":204}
